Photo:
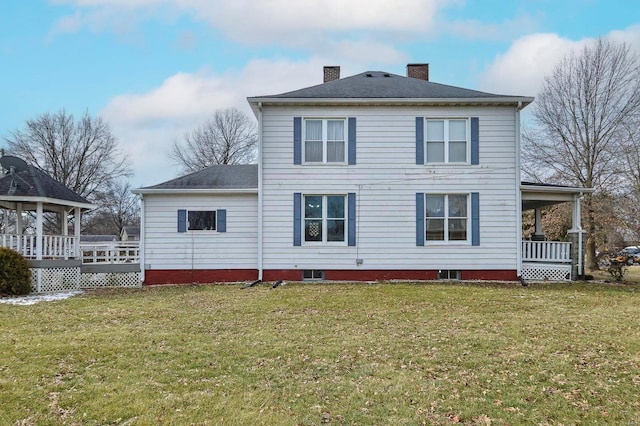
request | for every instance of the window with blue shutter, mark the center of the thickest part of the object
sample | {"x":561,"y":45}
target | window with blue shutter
{"x":297,"y":140}
{"x":202,"y":220}
{"x":419,"y":218}
{"x":352,"y":141}
{"x":419,"y":140}
{"x":297,"y":222}
{"x":182,"y":220}
{"x":475,"y":140}
{"x":351,"y":219}
{"x":222,"y":220}
{"x":475,"y":219}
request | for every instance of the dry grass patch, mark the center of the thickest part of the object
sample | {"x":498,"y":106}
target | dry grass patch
{"x":326,"y":354}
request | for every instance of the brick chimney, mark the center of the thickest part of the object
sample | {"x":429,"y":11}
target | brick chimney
{"x":420,"y":71}
{"x":331,"y":73}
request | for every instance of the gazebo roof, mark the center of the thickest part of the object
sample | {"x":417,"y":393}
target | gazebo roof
{"x":32,"y":185}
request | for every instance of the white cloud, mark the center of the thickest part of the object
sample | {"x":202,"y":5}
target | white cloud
{"x":290,"y":22}
{"x":146,"y":124}
{"x":522,"y":68}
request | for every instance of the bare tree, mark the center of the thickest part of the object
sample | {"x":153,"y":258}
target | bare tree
{"x":229,"y":137}
{"x":118,"y":207}
{"x":581,"y":112}
{"x":81,"y":154}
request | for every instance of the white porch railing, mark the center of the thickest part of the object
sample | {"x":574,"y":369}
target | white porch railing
{"x":111,"y":252}
{"x":53,"y":246}
{"x":546,"y":251}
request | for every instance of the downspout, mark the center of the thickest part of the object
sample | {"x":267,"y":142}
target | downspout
{"x":260,"y":190}
{"x":142,"y":237}
{"x":518,"y":194}
{"x":580,"y":253}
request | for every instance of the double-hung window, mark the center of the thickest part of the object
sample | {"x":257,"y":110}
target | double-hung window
{"x":324,"y":218}
{"x":324,"y":140}
{"x":447,"y":140}
{"x":447,"y":217}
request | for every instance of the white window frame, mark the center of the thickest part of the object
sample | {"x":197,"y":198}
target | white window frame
{"x":324,"y":220}
{"x":324,"y":121}
{"x":446,"y":121}
{"x":215,"y":211}
{"x":446,"y":218}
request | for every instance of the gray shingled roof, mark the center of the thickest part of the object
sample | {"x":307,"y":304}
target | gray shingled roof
{"x":223,"y":176}
{"x":379,"y":84}
{"x":33,"y":182}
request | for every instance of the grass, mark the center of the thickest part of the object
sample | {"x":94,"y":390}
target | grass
{"x":310,"y":354}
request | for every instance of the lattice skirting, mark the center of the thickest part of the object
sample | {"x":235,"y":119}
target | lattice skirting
{"x":547,"y":271}
{"x":45,"y":280}
{"x":110,"y":279}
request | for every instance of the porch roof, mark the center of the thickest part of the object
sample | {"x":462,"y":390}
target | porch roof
{"x":535,"y":195}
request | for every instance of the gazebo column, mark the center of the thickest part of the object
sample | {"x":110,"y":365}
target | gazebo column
{"x":64,"y":231}
{"x":538,"y":235}
{"x":39,"y":232}
{"x":19,"y":247}
{"x":76,"y":230}
{"x":576,"y":236}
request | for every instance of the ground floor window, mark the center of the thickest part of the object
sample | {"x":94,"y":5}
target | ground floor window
{"x":201,"y":220}
{"x":324,"y":218}
{"x":447,"y":217}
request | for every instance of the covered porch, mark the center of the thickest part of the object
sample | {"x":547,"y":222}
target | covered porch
{"x":552,"y":260}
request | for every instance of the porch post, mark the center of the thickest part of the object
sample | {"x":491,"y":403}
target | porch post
{"x":39,"y":233}
{"x":538,"y":235}
{"x":76,"y":230}
{"x":65,"y":232}
{"x":576,"y":236}
{"x":19,"y":247}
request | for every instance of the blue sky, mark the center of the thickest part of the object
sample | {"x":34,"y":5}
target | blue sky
{"x":155,"y":69}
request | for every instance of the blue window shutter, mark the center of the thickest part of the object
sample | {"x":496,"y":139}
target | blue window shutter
{"x":419,"y":140}
{"x":475,"y":140}
{"x":351,"y":218}
{"x":297,"y":140}
{"x":297,"y":222}
{"x":221,"y":220}
{"x":475,"y":219}
{"x":182,"y":220}
{"x":420,"y":218}
{"x":352,"y":140}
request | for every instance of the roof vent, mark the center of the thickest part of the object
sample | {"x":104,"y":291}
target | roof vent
{"x":387,"y":74}
{"x":369,"y":74}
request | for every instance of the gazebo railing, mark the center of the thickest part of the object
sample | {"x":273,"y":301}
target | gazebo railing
{"x":53,"y":246}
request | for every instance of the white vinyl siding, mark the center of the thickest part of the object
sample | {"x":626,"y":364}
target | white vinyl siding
{"x":385,"y":181}
{"x":166,"y":248}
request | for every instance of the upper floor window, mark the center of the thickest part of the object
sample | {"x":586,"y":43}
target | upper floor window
{"x":447,"y":140}
{"x":324,"y":140}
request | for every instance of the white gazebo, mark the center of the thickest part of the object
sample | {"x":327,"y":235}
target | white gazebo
{"x":54,"y":258}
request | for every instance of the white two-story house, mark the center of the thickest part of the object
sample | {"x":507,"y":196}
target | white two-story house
{"x":375,"y":176}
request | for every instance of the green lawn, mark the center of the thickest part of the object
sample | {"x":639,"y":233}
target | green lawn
{"x":387,"y":354}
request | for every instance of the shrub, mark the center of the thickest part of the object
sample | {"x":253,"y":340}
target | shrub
{"x":15,"y":275}
{"x":617,"y":268}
